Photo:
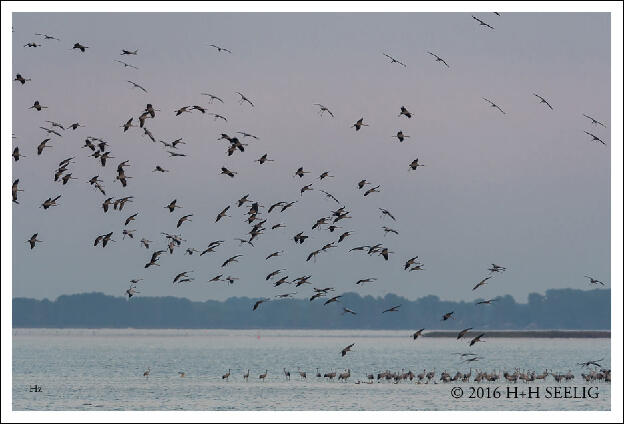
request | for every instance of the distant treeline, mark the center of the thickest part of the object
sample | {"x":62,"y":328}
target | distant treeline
{"x":557,"y":309}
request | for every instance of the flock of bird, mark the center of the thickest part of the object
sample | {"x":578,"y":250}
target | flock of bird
{"x":596,"y":374}
{"x":261,"y":217}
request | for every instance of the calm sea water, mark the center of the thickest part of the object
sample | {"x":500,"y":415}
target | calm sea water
{"x":103,"y":370}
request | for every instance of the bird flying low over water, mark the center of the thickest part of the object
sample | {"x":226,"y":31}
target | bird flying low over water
{"x":418,"y":333}
{"x":135,"y":85}
{"x":347,"y":349}
{"x":220,"y":49}
{"x":447,"y":316}
{"x":463,"y":332}
{"x":477,"y":339}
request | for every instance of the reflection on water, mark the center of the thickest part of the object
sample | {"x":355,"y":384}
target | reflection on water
{"x":103,"y":370}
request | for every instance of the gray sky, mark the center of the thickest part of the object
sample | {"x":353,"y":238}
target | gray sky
{"x":527,"y":190}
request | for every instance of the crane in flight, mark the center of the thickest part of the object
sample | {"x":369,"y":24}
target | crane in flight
{"x":494,"y":105}
{"x":393,"y":60}
{"x":322,"y":109}
{"x":543,"y":100}
{"x":135,"y":85}
{"x":244,"y":99}
{"x":595,"y":137}
{"x":220,"y":49}
{"x":594,"y":121}
{"x":126,"y":65}
{"x":439,"y":59}
{"x":592,"y":280}
{"x":481,"y":22}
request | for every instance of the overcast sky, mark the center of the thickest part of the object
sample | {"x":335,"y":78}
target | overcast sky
{"x":527,"y":190}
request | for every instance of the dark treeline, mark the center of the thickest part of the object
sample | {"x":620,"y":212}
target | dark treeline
{"x":557,"y":309}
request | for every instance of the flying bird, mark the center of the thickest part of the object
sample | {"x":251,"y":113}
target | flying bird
{"x":135,"y":85}
{"x":543,"y":100}
{"x":37,"y":106}
{"x":255,"y":306}
{"x":80,"y":47}
{"x":347,"y":349}
{"x":393,"y":309}
{"x":494,"y":105}
{"x":481,"y":22}
{"x":595,"y":138}
{"x":418,"y":333}
{"x":594,"y":121}
{"x":244,"y":99}
{"x":21,"y":79}
{"x":126,"y":65}
{"x":220,"y":49}
{"x":463,"y":332}
{"x":592,"y":280}
{"x":477,"y":339}
{"x":481,"y":283}
{"x":33,"y":240}
{"x":322,"y":109}
{"x":393,"y":60}
{"x":359,"y":124}
{"x":439,"y":59}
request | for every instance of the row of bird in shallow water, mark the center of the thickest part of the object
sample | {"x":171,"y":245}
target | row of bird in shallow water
{"x":426,"y":377}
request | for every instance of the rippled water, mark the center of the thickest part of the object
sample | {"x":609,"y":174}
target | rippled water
{"x":103,"y":370}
